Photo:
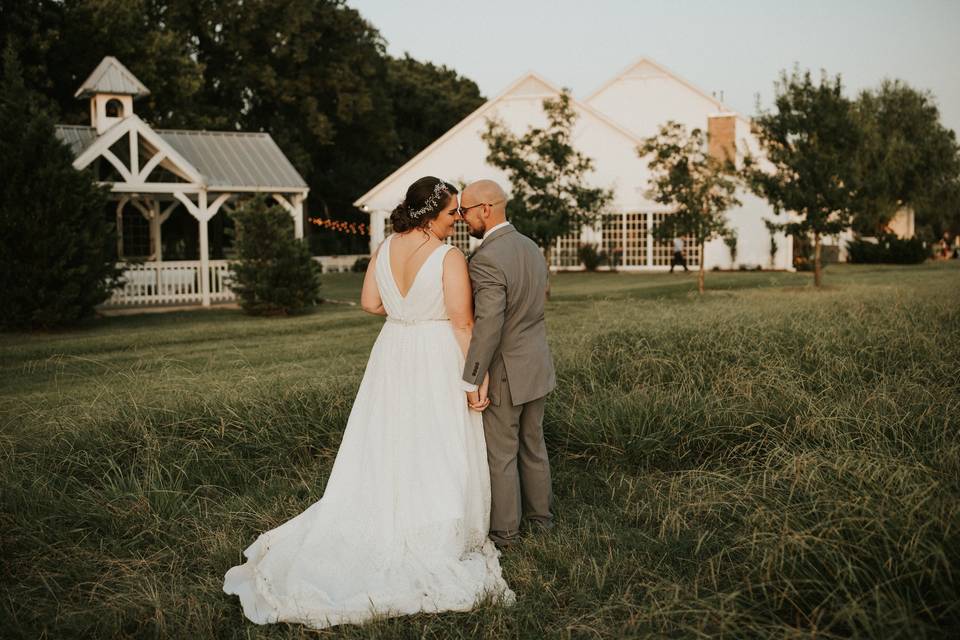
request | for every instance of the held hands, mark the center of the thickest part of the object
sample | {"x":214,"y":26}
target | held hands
{"x":478,"y":400}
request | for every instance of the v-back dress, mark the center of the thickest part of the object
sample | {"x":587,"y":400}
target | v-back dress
{"x":402,"y":525}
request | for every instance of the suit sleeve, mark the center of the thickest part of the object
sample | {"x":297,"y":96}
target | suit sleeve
{"x":490,"y":303}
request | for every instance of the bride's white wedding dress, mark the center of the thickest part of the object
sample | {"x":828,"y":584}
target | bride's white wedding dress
{"x":402,"y":525}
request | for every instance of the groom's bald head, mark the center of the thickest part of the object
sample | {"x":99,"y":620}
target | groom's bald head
{"x":486,"y":191}
{"x":485,"y":206}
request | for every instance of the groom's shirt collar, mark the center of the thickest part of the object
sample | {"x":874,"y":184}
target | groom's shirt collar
{"x":494,"y":228}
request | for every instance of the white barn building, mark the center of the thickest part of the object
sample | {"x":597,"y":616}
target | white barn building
{"x":612,"y":122}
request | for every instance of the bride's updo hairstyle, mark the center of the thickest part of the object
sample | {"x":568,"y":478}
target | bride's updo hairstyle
{"x":425,"y":199}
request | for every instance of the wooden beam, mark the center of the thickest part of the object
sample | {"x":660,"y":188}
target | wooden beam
{"x":166,"y":188}
{"x":134,"y":153}
{"x":115,"y":161}
{"x":120,"y":205}
{"x":298,"y":216}
{"x":204,"y":249}
{"x":221,"y":199}
{"x":192,"y":208}
{"x":166,"y":212}
{"x":152,"y":163}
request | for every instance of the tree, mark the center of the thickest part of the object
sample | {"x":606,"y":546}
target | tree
{"x":56,"y":244}
{"x":427,"y":101}
{"x":275,"y":273}
{"x":60,"y":43}
{"x":314,"y":74}
{"x":549,"y":197}
{"x":907,"y":158}
{"x":810,"y":145}
{"x":698,"y":186}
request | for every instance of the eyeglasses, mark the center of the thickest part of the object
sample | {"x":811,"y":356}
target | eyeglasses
{"x":463,"y":210}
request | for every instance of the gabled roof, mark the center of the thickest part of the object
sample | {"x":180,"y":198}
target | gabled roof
{"x":111,"y":76}
{"x":225,"y":159}
{"x":639,"y":64}
{"x":529,"y":85}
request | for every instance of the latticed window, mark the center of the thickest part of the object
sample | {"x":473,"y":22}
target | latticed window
{"x":460,"y":238}
{"x":611,"y":234}
{"x":663,"y":251}
{"x":566,"y":251}
{"x":635,"y":239}
{"x":136,"y":235}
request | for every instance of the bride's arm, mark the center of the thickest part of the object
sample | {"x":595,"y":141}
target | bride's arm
{"x":458,"y":297}
{"x":370,"y":294}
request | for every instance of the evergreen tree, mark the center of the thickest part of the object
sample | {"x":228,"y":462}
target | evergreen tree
{"x":275,"y":273}
{"x":56,"y":244}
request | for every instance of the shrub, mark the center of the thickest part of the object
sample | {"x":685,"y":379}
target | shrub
{"x":888,"y":249}
{"x":360,"y":265}
{"x":730,"y":239}
{"x":57,"y":248}
{"x":590,"y":257}
{"x":275,"y":273}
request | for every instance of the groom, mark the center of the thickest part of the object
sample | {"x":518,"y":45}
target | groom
{"x":509,"y":342}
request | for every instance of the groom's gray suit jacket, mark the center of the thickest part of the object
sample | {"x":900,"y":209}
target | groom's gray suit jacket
{"x":509,"y":279}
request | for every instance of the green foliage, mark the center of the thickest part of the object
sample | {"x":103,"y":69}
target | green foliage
{"x":696,"y":186}
{"x":313,"y":74}
{"x":777,"y":465}
{"x":360,"y":265}
{"x":772,"y":230}
{"x":549,"y":196}
{"x":275,"y":273}
{"x":428,"y":100}
{"x":590,"y":256}
{"x":730,"y":239}
{"x":907,"y":158}
{"x":889,"y":249}
{"x":809,"y":146}
{"x":56,"y":244}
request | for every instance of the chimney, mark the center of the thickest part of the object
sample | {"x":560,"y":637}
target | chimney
{"x":721,"y":136}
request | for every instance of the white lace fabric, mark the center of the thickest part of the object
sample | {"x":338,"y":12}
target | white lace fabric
{"x":401,"y":527}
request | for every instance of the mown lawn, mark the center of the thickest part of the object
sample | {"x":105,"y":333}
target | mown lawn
{"x":764,"y":461}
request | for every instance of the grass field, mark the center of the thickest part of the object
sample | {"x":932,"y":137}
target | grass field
{"x":764,"y":461}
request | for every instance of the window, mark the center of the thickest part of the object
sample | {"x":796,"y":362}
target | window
{"x":460,"y":237}
{"x":565,"y":251}
{"x":114,"y":108}
{"x":611,"y":243}
{"x":136,"y":235}
{"x":635,"y":239}
{"x":663,"y":251}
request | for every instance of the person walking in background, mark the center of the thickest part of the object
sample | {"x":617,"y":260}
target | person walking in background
{"x":678,"y":255}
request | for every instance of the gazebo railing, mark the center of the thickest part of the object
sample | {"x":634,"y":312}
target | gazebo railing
{"x":178,"y":281}
{"x":173,"y":282}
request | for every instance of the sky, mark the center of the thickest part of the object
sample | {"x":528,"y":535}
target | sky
{"x":737,"y":47}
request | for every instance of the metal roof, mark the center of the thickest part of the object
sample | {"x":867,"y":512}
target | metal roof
{"x":235,"y":159}
{"x":77,"y":138}
{"x":225,"y":159}
{"x":111,"y":76}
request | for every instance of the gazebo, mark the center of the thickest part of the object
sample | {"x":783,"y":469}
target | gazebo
{"x":153,"y":172}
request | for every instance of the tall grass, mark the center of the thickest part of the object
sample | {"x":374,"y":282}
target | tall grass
{"x":765,"y":461}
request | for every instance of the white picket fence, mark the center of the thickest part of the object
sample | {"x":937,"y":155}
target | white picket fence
{"x":178,"y":281}
{"x":174,"y":282}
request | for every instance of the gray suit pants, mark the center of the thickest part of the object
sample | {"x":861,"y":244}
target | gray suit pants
{"x":519,"y":468}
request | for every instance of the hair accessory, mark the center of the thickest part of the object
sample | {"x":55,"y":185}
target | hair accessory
{"x":432,"y":201}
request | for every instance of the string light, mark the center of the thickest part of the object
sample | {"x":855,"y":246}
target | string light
{"x":342,"y":226}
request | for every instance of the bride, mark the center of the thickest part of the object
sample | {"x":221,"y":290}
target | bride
{"x":402,"y":525}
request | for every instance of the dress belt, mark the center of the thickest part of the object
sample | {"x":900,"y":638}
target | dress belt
{"x":406,"y":322}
